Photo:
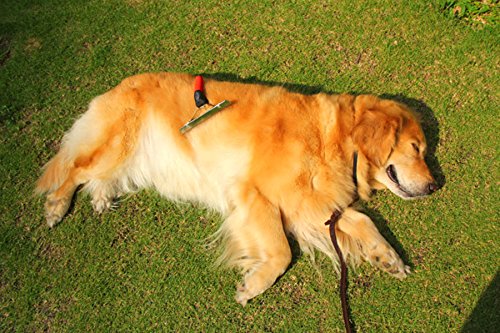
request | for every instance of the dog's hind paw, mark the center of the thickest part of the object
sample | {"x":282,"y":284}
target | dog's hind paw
{"x":55,"y":210}
{"x":102,"y":204}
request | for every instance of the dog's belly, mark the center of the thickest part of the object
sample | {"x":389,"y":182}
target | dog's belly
{"x":190,"y":172}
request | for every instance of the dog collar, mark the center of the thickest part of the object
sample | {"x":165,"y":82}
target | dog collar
{"x":355,"y":169}
{"x":355,"y":176}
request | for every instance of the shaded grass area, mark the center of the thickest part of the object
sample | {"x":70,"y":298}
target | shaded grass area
{"x":144,"y":266}
{"x":477,"y":13}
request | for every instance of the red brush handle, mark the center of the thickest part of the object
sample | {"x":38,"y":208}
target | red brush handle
{"x":198,"y":83}
{"x":199,"y":97}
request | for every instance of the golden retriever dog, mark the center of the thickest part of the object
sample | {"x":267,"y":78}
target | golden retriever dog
{"x":274,"y":164}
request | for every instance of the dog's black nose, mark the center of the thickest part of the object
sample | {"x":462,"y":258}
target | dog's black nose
{"x":433,"y":187}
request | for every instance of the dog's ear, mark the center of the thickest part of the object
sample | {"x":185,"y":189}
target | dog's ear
{"x":376,"y":129}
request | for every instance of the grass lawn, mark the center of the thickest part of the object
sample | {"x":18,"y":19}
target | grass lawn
{"x":144,"y":266}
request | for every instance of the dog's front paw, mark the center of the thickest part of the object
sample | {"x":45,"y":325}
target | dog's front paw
{"x":242,"y":295}
{"x":248,"y":290}
{"x":385,"y":258}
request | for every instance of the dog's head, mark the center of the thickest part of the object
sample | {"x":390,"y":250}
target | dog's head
{"x":389,"y":136}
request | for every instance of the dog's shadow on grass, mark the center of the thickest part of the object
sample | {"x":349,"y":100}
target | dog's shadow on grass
{"x":293,"y":87}
{"x":484,"y":317}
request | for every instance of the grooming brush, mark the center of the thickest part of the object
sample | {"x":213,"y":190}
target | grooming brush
{"x":201,"y":100}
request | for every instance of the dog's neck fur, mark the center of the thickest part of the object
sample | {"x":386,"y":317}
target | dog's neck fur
{"x":362,"y":171}
{"x":364,"y":176}
{"x":342,"y":119}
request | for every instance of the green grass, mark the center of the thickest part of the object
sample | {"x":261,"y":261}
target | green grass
{"x":144,"y":267}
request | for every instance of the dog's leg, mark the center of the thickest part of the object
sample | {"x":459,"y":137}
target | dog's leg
{"x":102,"y":191}
{"x":374,"y":248}
{"x":58,"y":202}
{"x":263,"y":242}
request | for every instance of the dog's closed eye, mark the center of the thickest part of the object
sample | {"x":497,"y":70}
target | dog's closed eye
{"x":415,"y":146}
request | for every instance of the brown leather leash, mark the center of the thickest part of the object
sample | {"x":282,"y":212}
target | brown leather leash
{"x":336,"y":215}
{"x":201,"y":100}
{"x":343,"y":269}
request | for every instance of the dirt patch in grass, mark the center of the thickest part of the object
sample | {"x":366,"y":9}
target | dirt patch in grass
{"x":32,"y":44}
{"x":4,"y":50}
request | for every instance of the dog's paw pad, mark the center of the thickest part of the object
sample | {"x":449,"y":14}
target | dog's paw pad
{"x":399,"y":271}
{"x":52,"y":219}
{"x":389,"y":261}
{"x":242,"y":295}
{"x":102,"y":204}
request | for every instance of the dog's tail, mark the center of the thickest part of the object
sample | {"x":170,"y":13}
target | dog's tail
{"x":82,"y":137}
{"x":54,"y":173}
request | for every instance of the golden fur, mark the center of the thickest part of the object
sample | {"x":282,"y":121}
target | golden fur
{"x":274,"y":163}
